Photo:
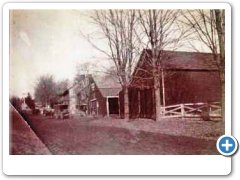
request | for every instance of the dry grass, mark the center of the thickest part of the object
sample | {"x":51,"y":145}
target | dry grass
{"x":178,"y":127}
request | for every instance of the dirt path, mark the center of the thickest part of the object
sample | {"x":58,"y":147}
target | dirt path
{"x":83,"y":137}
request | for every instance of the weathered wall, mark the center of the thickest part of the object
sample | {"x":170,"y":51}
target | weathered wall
{"x":180,"y":87}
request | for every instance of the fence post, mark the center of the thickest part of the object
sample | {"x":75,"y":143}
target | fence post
{"x":163,"y":111}
{"x":182,"y":111}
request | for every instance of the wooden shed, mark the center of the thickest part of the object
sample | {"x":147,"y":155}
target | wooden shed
{"x":103,"y":96}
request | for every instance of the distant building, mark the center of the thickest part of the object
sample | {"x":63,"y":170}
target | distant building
{"x":24,"y":107}
{"x":68,"y":97}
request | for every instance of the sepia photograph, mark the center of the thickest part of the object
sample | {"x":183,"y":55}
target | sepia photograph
{"x":116,"y":81}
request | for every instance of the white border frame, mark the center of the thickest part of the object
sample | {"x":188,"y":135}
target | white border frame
{"x":113,"y":165}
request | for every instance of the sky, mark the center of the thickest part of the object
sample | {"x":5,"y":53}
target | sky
{"x":50,"y":42}
{"x":47,"y":42}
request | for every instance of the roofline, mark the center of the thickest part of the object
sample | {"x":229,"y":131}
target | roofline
{"x":110,"y":88}
{"x":195,"y":70}
{"x":188,"y":52}
{"x":112,"y":96}
{"x":144,"y":51}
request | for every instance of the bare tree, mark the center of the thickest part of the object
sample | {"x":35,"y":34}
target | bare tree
{"x":30,"y":101}
{"x":61,"y":86}
{"x":44,"y":90}
{"x":81,"y":82}
{"x":118,"y":28}
{"x":16,"y":102}
{"x":86,"y":68}
{"x":163,"y":33}
{"x":208,"y":26}
{"x":48,"y":91}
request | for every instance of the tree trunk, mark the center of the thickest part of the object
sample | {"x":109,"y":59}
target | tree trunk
{"x":126,"y":104}
{"x":222,"y":78}
{"x":220,"y":26}
{"x":156,"y":79}
{"x":157,"y":98}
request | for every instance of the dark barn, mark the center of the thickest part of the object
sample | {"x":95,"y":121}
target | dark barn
{"x":185,"y":77}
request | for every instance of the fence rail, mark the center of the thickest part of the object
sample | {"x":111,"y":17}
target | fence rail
{"x":202,"y":110}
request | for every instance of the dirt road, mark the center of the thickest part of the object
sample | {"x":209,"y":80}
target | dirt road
{"x":23,"y":141}
{"x":82,"y":137}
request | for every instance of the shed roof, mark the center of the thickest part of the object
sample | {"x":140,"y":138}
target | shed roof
{"x":108,"y":85}
{"x":107,"y":81}
{"x":110,"y":91}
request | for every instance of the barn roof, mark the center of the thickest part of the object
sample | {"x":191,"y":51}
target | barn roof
{"x":171,"y":61}
{"x":182,"y":60}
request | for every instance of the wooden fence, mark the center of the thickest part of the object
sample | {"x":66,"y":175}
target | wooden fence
{"x":198,"y":110}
